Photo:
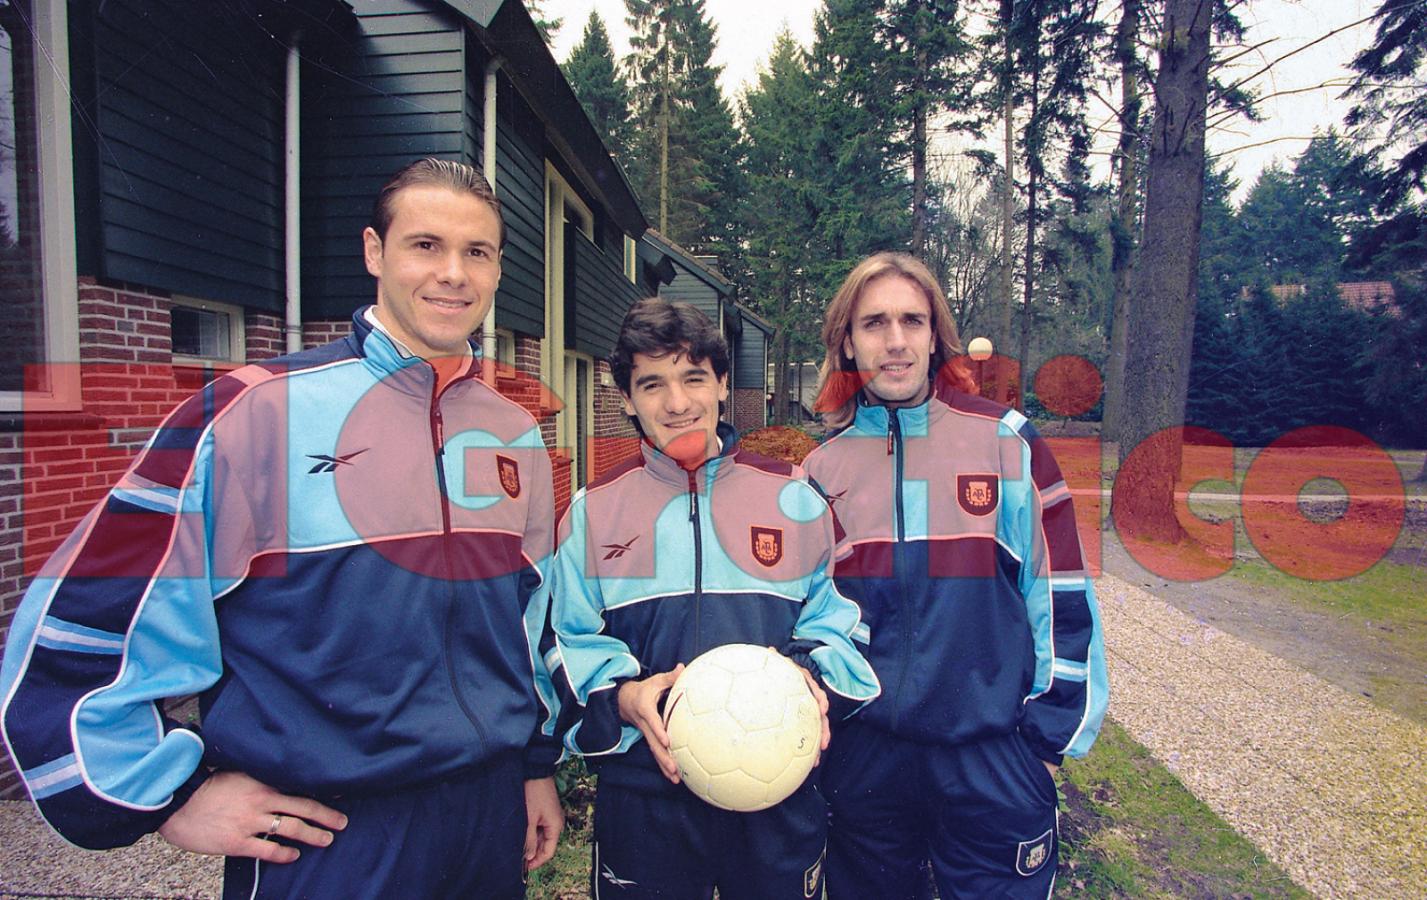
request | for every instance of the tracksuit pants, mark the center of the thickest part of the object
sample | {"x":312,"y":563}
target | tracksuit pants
{"x":983,"y":813}
{"x":671,"y":845}
{"x":461,"y":837}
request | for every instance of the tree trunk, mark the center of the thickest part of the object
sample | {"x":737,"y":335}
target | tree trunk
{"x":1008,"y":214}
{"x":780,"y":376}
{"x":1032,"y":185}
{"x":664,"y":147}
{"x":919,"y":151}
{"x":1161,"y":331}
{"x":1123,"y":229}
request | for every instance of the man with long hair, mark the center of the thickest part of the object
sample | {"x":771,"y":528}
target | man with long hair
{"x":961,"y":550}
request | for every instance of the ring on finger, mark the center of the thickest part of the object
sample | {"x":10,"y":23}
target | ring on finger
{"x":272,"y":829}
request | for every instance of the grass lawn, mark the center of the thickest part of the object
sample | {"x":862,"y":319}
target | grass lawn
{"x":1128,"y":829}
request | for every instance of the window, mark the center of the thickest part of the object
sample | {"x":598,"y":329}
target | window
{"x":630,"y":260}
{"x":505,"y":347}
{"x":207,"y":331}
{"x":38,"y":283}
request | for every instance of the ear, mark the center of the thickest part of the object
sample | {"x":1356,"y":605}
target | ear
{"x":723,"y":387}
{"x":372,"y":251}
{"x":628,"y":404}
{"x":846,"y":343}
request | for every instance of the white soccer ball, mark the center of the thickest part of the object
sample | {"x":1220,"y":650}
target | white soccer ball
{"x":743,"y":726}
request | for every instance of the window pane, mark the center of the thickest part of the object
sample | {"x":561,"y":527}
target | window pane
{"x":22,"y":318}
{"x":200,"y":332}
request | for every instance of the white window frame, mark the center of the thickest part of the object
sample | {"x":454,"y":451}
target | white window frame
{"x":505,"y":347}
{"x":237,"y":334}
{"x":631,"y":259}
{"x":60,"y":279}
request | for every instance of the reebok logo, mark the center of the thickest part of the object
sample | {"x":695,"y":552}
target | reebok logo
{"x":618,"y":550}
{"x":608,"y":875}
{"x":327,"y":463}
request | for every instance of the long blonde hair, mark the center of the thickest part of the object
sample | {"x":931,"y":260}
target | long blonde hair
{"x":839,"y":380}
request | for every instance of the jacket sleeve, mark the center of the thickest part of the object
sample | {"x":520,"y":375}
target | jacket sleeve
{"x":593,"y":664}
{"x":542,"y":752}
{"x":1070,"y":693}
{"x":118,"y":619}
{"x":825,"y":635}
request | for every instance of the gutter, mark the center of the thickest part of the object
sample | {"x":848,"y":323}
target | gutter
{"x":488,"y":163}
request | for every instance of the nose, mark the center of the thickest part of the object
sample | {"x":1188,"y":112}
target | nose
{"x":452,"y":269}
{"x":677,"y":399}
{"x":896,"y":336}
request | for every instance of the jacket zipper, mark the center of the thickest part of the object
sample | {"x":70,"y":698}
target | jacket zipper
{"x":698,"y":564}
{"x":899,"y":550}
{"x":438,"y":442}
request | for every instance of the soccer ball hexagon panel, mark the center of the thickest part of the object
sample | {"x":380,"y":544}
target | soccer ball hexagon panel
{"x":743,"y":727}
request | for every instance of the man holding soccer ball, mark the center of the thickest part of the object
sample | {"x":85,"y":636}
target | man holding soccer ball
{"x":961,"y":550}
{"x":692,"y":545}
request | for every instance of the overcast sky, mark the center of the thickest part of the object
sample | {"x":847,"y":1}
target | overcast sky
{"x":746,"y":29}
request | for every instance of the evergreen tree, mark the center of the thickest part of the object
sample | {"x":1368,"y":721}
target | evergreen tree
{"x":686,"y":154}
{"x":781,"y":202}
{"x":601,"y":87}
{"x":864,"y":195}
{"x":547,"y":26}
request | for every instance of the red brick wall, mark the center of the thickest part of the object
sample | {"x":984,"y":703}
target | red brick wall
{"x":324,"y":331}
{"x":748,"y":408}
{"x":263,"y":335}
{"x":614,"y":437}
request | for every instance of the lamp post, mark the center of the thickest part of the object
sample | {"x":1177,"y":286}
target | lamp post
{"x":980,"y":350}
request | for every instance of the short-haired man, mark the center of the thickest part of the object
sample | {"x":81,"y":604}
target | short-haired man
{"x":342,"y":552}
{"x":962,"y":551}
{"x":661,"y":560}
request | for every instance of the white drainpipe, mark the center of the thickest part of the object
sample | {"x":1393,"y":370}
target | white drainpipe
{"x":292,"y":221}
{"x":488,"y":342}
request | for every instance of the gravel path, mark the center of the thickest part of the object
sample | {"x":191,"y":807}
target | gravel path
{"x":1328,"y":786}
{"x":34,"y":862}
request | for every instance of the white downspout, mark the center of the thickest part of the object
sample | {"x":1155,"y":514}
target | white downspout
{"x":488,"y":342}
{"x":292,"y":220}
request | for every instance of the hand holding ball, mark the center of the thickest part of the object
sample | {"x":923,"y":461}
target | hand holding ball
{"x":743,"y":727}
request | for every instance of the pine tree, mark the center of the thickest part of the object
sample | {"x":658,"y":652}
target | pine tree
{"x":547,"y":26}
{"x":601,"y":87}
{"x":781,"y":202}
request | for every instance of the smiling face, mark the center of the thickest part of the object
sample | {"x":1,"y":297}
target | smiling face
{"x":676,"y":402}
{"x":890,"y":341}
{"x":436,"y":270}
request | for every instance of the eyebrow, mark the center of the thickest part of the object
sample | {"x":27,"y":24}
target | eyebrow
{"x":437,"y":239}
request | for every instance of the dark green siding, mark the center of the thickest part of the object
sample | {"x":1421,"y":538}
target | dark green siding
{"x":602,"y":295}
{"x":749,"y":370}
{"x":689,"y":288}
{"x":520,"y":185}
{"x":188,"y":111}
{"x":390,"y":92}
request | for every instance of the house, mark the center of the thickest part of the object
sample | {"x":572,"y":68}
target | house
{"x":1363,"y":296}
{"x":187,"y":193}
{"x":697,"y":281}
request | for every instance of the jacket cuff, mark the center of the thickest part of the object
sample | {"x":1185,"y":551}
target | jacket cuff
{"x":181,"y":795}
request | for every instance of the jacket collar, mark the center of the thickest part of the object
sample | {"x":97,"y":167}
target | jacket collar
{"x":665,"y":468}
{"x":394,"y":364}
{"x":912,"y":421}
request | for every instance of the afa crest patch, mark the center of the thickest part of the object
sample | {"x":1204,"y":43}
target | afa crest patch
{"x":978,"y":494}
{"x":509,"y":475}
{"x":767,"y":544}
{"x":1033,"y":854}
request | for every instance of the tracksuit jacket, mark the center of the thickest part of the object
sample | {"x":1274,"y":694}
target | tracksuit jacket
{"x":961,"y":549}
{"x":657,"y":564}
{"x":347,"y":568}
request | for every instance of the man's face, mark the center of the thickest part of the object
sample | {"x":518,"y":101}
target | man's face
{"x":891,"y":340}
{"x":437,"y":269}
{"x":676,"y":402}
